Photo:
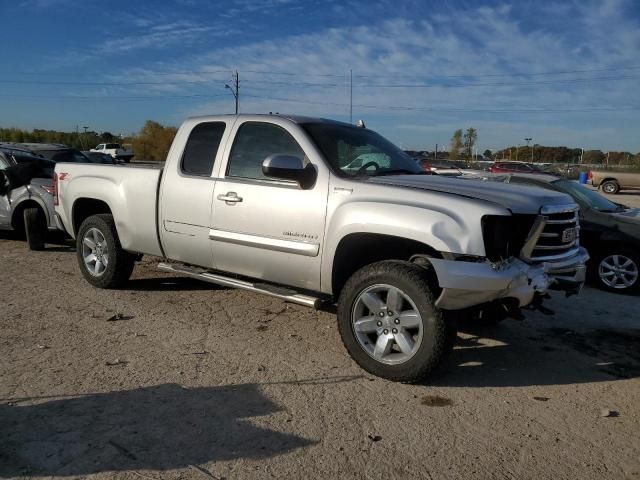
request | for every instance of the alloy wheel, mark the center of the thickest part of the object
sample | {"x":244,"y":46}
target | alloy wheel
{"x":95,"y":252}
{"x":387,"y":324}
{"x":618,"y":271}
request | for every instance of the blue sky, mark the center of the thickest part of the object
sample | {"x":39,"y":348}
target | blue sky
{"x":562,"y":72}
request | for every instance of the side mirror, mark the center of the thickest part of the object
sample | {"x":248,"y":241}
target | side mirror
{"x":289,"y":167}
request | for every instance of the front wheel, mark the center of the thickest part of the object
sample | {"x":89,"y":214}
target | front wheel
{"x":389,"y":323}
{"x":103,"y":262}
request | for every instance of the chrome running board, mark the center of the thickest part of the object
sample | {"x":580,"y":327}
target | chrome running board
{"x":283,"y":293}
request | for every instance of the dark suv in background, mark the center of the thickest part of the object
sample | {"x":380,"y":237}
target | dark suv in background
{"x":61,"y":153}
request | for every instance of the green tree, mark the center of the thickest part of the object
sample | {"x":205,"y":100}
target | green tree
{"x":153,"y":141}
{"x":456,"y":144}
{"x":487,"y":153}
{"x":470,"y":138}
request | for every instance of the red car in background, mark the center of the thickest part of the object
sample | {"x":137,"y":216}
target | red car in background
{"x":514,"y":167}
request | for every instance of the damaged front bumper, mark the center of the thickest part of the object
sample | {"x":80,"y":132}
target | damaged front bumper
{"x":466,"y":284}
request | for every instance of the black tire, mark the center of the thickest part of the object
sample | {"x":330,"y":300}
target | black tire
{"x":610,"y":187}
{"x":438,"y":335}
{"x":599,"y":257}
{"x":120,"y":263}
{"x":35,"y":227}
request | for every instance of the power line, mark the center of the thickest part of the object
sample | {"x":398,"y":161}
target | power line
{"x":108,"y":84}
{"x":497,"y":84}
{"x":448,"y":85}
{"x":447,"y":109}
{"x":107,"y":97}
{"x":512,"y":74}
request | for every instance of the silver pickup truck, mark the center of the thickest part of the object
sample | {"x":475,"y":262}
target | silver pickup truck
{"x":318,"y":212}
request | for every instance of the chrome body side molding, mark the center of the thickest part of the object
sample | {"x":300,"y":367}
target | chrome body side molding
{"x":268,"y":243}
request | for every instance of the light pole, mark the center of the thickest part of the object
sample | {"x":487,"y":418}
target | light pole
{"x":84,"y":137}
{"x":235,"y":91}
{"x":528,"y":140}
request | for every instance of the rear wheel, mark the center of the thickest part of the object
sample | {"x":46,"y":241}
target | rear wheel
{"x":389,"y":323}
{"x":611,"y":187}
{"x":618,"y":270}
{"x":35,"y":227}
{"x":103,"y":262}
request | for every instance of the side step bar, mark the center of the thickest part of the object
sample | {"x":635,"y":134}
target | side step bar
{"x":273,"y":290}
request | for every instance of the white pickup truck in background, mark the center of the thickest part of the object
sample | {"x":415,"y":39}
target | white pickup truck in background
{"x":115,"y":150}
{"x":320,"y":212}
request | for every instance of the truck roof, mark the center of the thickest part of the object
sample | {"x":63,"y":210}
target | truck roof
{"x":265,"y":116}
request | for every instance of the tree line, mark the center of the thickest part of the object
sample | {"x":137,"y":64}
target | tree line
{"x":152,"y":142}
{"x":463,"y":143}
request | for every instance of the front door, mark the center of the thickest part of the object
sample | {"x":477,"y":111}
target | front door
{"x":262,"y":227}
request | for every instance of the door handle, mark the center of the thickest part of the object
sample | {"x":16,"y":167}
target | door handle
{"x":230,"y":198}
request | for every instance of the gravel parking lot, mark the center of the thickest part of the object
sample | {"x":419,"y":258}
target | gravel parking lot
{"x":172,"y":378}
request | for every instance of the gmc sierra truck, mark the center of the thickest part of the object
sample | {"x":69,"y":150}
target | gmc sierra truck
{"x":318,"y":212}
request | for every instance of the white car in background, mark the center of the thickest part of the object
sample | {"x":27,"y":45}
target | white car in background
{"x":115,"y":150}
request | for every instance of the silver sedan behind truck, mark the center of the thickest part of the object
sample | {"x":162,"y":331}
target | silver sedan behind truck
{"x":26,"y":195}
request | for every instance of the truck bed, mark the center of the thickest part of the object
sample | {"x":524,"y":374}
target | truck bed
{"x":133,"y":202}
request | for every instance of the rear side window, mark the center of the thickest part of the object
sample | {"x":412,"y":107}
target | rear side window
{"x":202,"y":147}
{"x":113,"y":145}
{"x":255,"y":141}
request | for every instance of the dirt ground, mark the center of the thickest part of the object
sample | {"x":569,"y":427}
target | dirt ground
{"x":194,"y":381}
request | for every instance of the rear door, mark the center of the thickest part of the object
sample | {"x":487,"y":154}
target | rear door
{"x":187,"y":191}
{"x":262,"y":227}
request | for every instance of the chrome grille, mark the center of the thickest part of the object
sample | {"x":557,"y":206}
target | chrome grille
{"x":555,"y":235}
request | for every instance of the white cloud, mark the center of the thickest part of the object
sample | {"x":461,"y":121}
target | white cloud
{"x":484,"y":45}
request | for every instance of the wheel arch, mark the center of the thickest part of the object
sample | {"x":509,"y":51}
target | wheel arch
{"x":85,"y":207}
{"x":610,"y":179}
{"x":356,"y":250}
{"x":17,"y":220}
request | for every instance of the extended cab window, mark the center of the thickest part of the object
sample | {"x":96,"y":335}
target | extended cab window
{"x":202,"y":147}
{"x":255,"y":141}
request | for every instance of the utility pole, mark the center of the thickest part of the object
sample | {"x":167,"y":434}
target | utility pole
{"x":528,"y":140}
{"x":517,"y":152}
{"x":581,"y":154}
{"x":436,"y":156}
{"x":84,"y":137}
{"x":351,"y":96}
{"x":235,"y":90}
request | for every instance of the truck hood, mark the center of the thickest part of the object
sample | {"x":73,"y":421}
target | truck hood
{"x":516,"y":198}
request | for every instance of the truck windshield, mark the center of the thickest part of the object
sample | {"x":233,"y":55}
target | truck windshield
{"x":586,"y":196}
{"x":353,"y":151}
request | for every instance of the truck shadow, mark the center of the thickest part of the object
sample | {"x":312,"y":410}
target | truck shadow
{"x":161,"y":427}
{"x":514,"y":355}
